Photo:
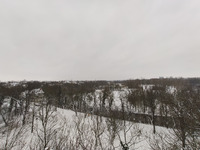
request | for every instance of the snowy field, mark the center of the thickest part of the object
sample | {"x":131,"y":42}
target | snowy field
{"x":68,"y":130}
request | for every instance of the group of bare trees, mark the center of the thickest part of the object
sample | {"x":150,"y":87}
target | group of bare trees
{"x":177,"y":102}
{"x":181,"y":106}
{"x":52,"y":130}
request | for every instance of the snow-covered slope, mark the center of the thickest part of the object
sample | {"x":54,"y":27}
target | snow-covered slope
{"x":80,"y":130}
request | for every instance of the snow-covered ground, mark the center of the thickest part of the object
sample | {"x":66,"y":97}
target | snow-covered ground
{"x":83,"y":129}
{"x":118,"y":98}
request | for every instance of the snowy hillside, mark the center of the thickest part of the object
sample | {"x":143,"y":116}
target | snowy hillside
{"x":80,"y":130}
{"x":99,"y":115}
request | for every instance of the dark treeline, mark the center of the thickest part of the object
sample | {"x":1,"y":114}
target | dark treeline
{"x":163,"y":81}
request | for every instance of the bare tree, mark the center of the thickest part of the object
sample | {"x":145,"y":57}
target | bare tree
{"x":84,"y":138}
{"x":47,"y":130}
{"x":26,"y":98}
{"x":11,"y":135}
{"x":97,"y":130}
{"x":130,"y":131}
{"x":112,"y":126}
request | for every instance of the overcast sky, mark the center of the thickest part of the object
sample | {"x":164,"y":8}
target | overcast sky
{"x":99,"y":39}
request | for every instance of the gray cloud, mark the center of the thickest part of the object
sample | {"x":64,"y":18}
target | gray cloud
{"x":93,"y":40}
